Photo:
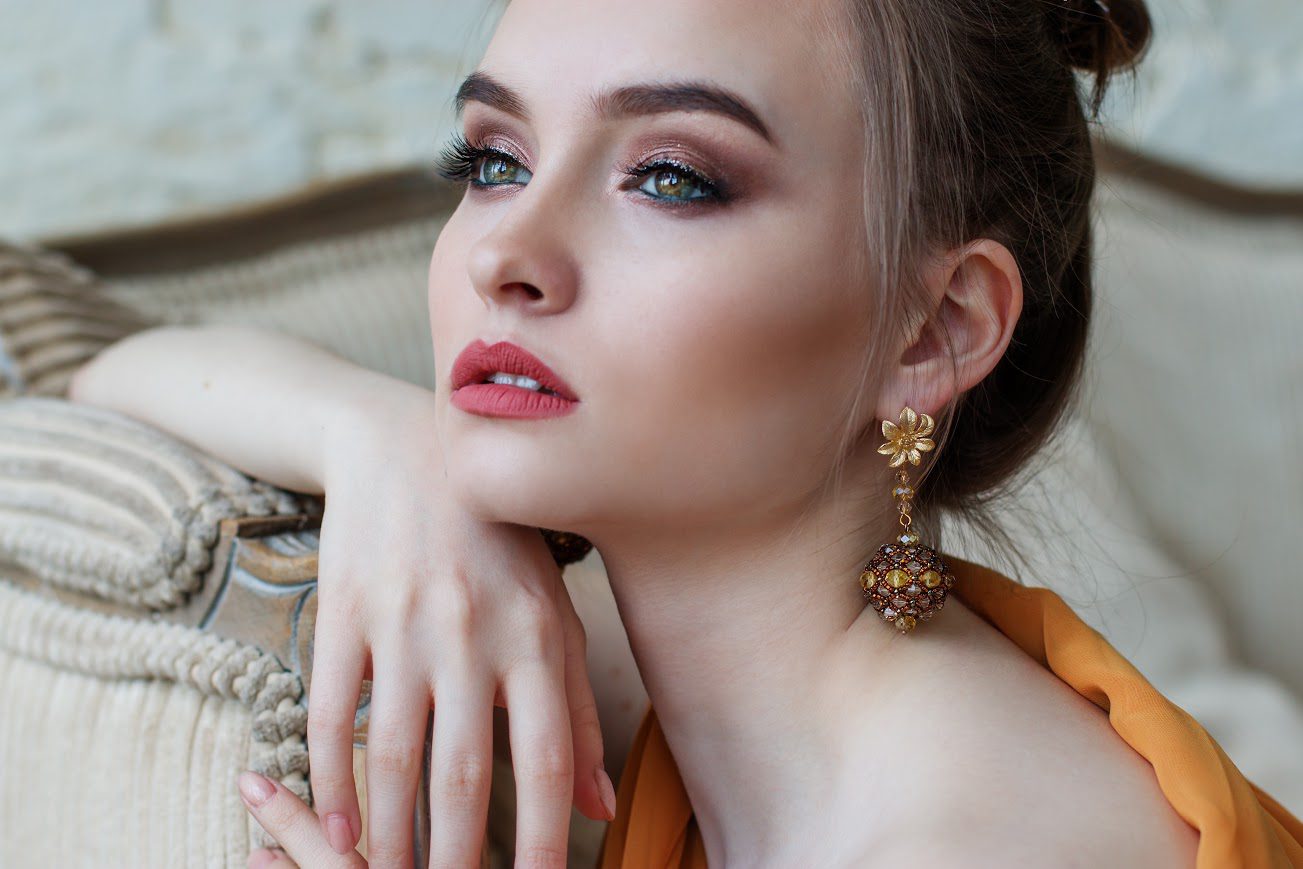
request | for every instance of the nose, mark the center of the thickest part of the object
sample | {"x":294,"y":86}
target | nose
{"x":526,"y":259}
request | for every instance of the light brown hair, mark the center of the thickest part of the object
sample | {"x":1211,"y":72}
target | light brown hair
{"x":976,"y":125}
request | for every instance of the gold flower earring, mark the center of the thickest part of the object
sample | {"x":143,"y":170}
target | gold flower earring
{"x":905,"y":580}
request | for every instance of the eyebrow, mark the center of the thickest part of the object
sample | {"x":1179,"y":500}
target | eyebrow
{"x":628,"y":100}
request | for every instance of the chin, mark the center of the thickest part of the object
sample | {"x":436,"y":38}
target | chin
{"x":497,"y":484}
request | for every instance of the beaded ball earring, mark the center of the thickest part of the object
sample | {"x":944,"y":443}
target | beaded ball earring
{"x":906,"y":581}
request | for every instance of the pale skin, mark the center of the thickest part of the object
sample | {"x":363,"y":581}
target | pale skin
{"x":712,"y":349}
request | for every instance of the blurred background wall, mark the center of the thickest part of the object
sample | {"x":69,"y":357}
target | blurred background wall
{"x":125,"y":111}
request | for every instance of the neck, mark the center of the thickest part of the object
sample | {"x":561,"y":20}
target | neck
{"x":762,"y":660}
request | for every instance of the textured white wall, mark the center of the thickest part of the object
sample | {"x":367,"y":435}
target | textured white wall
{"x":115,"y":112}
{"x":1220,"y":90}
{"x":123,"y":111}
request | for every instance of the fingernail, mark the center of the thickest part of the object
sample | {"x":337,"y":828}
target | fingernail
{"x":261,"y":858}
{"x":255,"y":789}
{"x":607,"y":791}
{"x":339,"y":832}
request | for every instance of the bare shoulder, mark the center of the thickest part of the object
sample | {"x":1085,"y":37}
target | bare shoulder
{"x":1084,"y":808}
{"x":1016,"y":848}
{"x":1032,"y":773}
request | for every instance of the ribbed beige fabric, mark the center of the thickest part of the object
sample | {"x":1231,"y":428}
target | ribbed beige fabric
{"x":121,"y":739}
{"x":96,"y":501}
{"x":142,"y":783}
{"x":52,"y":319}
{"x":362,"y":296}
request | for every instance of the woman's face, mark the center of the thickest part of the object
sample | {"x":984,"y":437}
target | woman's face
{"x":711,"y":330}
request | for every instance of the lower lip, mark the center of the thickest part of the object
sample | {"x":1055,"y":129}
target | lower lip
{"x":510,"y":402}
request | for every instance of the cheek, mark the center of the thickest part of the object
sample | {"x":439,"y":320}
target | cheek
{"x":451,"y":301}
{"x":712,"y":378}
{"x":737,"y":368}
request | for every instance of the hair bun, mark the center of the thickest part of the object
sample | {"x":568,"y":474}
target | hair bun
{"x":1100,"y":36}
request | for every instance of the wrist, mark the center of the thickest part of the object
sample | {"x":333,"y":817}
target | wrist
{"x":372,"y":413}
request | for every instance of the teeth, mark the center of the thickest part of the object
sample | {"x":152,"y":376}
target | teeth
{"x":520,"y":380}
{"x":515,"y":380}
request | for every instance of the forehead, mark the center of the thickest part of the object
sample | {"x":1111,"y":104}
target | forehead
{"x":781,"y":57}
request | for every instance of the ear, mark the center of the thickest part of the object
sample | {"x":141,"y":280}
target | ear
{"x":977,"y":299}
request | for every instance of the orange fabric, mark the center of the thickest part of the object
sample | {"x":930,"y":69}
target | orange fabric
{"x":1239,"y":824}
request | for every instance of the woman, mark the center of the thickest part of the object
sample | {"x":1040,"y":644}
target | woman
{"x":731,"y":240}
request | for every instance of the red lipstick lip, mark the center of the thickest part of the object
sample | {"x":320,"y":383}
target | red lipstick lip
{"x":478,"y":360}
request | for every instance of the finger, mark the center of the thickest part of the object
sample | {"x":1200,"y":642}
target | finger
{"x":271,"y":858}
{"x":542,"y":754}
{"x":461,"y":767}
{"x":594,"y":794}
{"x":339,"y":658}
{"x":289,"y":820}
{"x":395,"y":755}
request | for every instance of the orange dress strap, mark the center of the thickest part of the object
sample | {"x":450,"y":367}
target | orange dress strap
{"x":653,"y":827}
{"x":1239,"y":824}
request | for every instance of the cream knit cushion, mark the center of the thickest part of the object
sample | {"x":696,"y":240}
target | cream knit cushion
{"x":145,"y":759}
{"x":93,"y":502}
{"x":98,"y":502}
{"x":120,"y":739}
{"x":362,"y":295}
{"x":53,"y":317}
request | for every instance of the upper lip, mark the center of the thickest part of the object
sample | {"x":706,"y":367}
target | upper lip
{"x":479,"y":360}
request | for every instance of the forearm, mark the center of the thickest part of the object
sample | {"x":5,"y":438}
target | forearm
{"x":264,"y":402}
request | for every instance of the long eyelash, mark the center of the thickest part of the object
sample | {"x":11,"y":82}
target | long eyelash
{"x":456,"y":162}
{"x":715,"y":192}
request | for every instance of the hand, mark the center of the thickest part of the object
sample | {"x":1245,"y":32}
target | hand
{"x":293,"y":825}
{"x":436,"y":607}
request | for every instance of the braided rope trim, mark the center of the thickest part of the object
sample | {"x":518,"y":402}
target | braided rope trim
{"x":116,"y":647}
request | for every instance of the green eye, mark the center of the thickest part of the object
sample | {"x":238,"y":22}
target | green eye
{"x":667,"y":182}
{"x":500,"y":169}
{"x":673,"y":182}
